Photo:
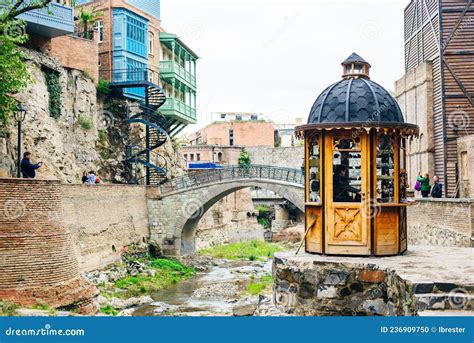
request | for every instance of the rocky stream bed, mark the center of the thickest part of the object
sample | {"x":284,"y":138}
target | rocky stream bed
{"x":219,"y":287}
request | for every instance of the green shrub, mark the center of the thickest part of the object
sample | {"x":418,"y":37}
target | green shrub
{"x":103,"y":88}
{"x":244,"y":159}
{"x":8,"y":308}
{"x":102,"y":137}
{"x":85,"y":122}
{"x":54,"y":90}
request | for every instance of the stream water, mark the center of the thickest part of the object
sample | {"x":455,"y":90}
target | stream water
{"x":214,"y":292}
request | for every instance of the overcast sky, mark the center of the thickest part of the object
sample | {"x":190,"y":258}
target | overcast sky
{"x":275,"y":57}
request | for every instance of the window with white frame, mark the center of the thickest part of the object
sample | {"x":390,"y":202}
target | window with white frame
{"x":99,"y":28}
{"x":151,"y":38}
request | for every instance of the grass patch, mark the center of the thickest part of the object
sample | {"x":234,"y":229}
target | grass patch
{"x":254,"y":250}
{"x":85,"y":122}
{"x":264,"y":283}
{"x":108,"y":310}
{"x":168,"y":272}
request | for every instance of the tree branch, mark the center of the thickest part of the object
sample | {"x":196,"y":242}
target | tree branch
{"x":16,"y":10}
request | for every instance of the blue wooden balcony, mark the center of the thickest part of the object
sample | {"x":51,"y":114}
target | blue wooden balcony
{"x":52,"y":21}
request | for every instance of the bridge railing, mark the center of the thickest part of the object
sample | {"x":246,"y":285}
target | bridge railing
{"x":233,"y":173}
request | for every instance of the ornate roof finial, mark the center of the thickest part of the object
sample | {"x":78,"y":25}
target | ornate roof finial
{"x":355,"y":67}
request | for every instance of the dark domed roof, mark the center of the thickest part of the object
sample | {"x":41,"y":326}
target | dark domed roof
{"x":355,"y":100}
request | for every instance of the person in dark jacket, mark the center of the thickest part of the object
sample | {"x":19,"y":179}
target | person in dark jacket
{"x":85,"y":178}
{"x":342,"y":188}
{"x":28,"y":169}
{"x":437,"y":189}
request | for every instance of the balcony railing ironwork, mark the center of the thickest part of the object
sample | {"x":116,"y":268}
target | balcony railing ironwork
{"x":180,"y":108}
{"x":174,"y":69}
{"x":55,"y":19}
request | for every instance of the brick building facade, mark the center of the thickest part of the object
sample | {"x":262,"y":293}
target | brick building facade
{"x":241,"y":133}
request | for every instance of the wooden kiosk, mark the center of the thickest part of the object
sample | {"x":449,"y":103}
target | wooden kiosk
{"x":355,"y":142}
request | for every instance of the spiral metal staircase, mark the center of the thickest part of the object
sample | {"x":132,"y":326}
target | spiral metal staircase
{"x":133,"y":83}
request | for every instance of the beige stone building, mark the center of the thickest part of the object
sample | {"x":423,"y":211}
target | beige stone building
{"x":437,"y":91}
{"x":222,"y":155}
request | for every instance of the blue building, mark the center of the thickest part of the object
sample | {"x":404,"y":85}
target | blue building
{"x":134,"y":47}
{"x":56,"y":19}
{"x":154,"y":68}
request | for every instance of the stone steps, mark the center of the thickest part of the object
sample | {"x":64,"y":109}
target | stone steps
{"x":443,"y":296}
{"x":444,"y":301}
{"x":429,"y":313}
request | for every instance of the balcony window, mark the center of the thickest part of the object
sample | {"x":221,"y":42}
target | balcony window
{"x":136,"y":33}
{"x":185,"y":157}
{"x":198,"y":157}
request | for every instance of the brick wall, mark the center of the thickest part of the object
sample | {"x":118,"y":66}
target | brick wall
{"x":104,"y":220}
{"x":246,"y":133}
{"x":76,"y":53}
{"x":443,"y":222}
{"x":37,"y":260}
{"x":72,"y":52}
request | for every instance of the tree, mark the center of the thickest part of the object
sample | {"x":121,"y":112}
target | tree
{"x":88,"y":20}
{"x":14,"y":75}
{"x":18,"y":7}
{"x":244,"y":159}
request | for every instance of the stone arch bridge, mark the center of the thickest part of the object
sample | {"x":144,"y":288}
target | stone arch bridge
{"x":181,"y":202}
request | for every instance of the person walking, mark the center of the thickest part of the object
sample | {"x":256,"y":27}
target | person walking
{"x":437,"y":190}
{"x":27,"y":168}
{"x":425,"y":184}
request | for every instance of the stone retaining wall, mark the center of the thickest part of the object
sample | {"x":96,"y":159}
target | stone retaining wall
{"x":289,"y":157}
{"x":304,"y":286}
{"x":441,"y":222}
{"x":104,"y":220}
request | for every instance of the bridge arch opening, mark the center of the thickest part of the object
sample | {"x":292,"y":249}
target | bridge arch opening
{"x":188,"y":231}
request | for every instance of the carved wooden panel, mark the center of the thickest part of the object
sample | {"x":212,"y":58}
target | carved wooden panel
{"x":347,"y":224}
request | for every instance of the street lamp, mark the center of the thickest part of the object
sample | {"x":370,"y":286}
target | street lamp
{"x":19,"y":117}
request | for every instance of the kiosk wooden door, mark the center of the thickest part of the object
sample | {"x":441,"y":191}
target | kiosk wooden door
{"x":347,"y":198}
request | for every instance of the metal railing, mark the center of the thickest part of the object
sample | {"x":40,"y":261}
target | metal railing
{"x":233,"y":173}
{"x":173,"y":67}
{"x":131,"y":75}
{"x":186,"y":111}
